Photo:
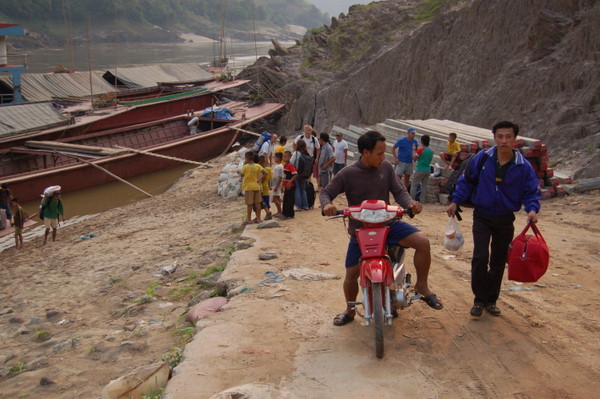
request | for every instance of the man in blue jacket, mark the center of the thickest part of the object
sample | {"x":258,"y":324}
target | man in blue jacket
{"x":497,"y":181}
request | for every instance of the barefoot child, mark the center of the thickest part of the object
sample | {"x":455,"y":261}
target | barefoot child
{"x":19,"y":216}
{"x":277,"y":182}
{"x":252,"y":175}
{"x":266,"y":203}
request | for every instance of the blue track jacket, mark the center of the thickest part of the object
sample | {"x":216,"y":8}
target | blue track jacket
{"x":519,"y":186}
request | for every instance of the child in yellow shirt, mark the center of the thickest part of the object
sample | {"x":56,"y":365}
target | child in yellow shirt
{"x":265,"y":204}
{"x":252,"y":176}
{"x":452,"y":151}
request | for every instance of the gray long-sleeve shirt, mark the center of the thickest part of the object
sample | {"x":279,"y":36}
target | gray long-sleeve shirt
{"x":361,"y":182}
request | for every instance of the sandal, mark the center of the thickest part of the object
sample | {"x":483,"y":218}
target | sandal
{"x":247,"y":222}
{"x":342,"y":319}
{"x":433,"y":302}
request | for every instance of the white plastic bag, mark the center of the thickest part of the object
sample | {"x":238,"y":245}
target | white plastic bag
{"x":453,"y":238}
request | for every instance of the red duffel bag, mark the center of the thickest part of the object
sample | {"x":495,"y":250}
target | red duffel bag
{"x":528,"y":256}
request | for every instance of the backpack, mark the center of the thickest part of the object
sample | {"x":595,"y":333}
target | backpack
{"x":43,"y":206}
{"x":264,"y":136}
{"x":305,"y":166}
{"x":42,"y":209}
{"x":466,"y":169}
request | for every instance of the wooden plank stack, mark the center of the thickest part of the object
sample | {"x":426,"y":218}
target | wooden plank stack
{"x":472,"y":140}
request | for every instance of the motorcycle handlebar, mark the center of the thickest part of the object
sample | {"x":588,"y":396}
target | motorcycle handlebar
{"x":339,"y":213}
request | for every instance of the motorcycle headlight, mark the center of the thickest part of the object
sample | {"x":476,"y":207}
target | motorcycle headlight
{"x":374,"y":216}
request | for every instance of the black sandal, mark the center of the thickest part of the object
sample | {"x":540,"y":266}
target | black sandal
{"x":342,"y":319}
{"x":433,"y":302}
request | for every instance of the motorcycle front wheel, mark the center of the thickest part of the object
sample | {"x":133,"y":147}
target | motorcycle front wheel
{"x":378,"y":318}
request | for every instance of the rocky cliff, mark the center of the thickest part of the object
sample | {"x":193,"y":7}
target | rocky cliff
{"x":536,"y":62}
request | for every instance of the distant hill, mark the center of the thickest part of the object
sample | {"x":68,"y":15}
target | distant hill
{"x":139,"y":20}
{"x":335,"y":7}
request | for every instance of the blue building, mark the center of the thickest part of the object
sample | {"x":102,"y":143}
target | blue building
{"x":14,"y":65}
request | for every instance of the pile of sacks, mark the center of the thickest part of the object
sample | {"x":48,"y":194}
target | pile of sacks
{"x":230,"y":179}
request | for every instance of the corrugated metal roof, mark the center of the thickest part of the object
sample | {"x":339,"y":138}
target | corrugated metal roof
{"x":50,"y":86}
{"x":22,"y":118}
{"x":149,"y":76}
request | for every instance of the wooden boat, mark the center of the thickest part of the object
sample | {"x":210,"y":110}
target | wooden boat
{"x":130,"y":113}
{"x":72,"y":162}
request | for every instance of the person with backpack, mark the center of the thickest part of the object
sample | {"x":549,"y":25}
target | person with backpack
{"x":312,"y":144}
{"x":52,"y":211}
{"x":498,"y":182}
{"x":303,"y":163}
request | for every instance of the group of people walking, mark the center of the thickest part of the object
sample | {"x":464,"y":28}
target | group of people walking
{"x":51,"y":210}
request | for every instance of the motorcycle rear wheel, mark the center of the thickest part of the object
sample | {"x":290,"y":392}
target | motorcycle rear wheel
{"x":378,"y":318}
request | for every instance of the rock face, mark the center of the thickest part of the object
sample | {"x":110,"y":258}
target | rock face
{"x":534,"y":62}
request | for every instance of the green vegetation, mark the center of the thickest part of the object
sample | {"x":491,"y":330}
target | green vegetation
{"x":149,"y":294}
{"x":174,"y":357}
{"x":214,"y":269}
{"x":198,"y":16}
{"x":42,"y":335}
{"x":429,"y":9}
{"x":185,"y":334}
{"x":183,"y":292}
{"x":154,"y":394}
{"x":17,"y":368}
{"x":590,"y":148}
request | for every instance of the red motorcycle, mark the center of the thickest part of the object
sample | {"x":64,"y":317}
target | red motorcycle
{"x":383,"y":277}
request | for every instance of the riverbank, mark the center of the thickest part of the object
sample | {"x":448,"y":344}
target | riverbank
{"x":82,"y":312}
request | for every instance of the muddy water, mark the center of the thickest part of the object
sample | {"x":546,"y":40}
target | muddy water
{"x":112,"y":195}
{"x":109,"y":55}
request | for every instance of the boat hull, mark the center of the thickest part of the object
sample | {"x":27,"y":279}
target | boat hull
{"x":79,"y":175}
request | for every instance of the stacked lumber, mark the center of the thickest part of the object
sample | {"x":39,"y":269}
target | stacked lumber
{"x":472,"y":140}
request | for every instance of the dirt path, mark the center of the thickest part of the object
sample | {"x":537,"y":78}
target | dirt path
{"x":83,"y":312}
{"x":545,"y":344}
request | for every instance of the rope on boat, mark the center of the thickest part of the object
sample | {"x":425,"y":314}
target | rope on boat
{"x":161,"y":156}
{"x":105,"y":171}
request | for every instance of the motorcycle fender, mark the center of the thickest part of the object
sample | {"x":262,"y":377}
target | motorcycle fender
{"x":376,"y":270}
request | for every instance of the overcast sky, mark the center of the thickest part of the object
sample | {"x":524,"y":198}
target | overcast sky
{"x":335,"y":7}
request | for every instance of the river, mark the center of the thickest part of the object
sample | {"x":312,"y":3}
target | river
{"x":111,"y":55}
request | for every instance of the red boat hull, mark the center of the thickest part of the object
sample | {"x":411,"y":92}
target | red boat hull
{"x":78,"y":175}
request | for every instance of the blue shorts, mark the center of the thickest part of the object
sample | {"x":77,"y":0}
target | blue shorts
{"x":398,"y":232}
{"x":266,"y":201}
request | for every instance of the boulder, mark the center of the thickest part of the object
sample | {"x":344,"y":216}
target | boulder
{"x":144,"y":380}
{"x":252,"y":391}
{"x":205,"y":308}
{"x":280,"y":49}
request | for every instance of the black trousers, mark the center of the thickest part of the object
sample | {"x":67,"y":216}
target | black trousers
{"x":487,"y":266}
{"x":289,"y":198}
